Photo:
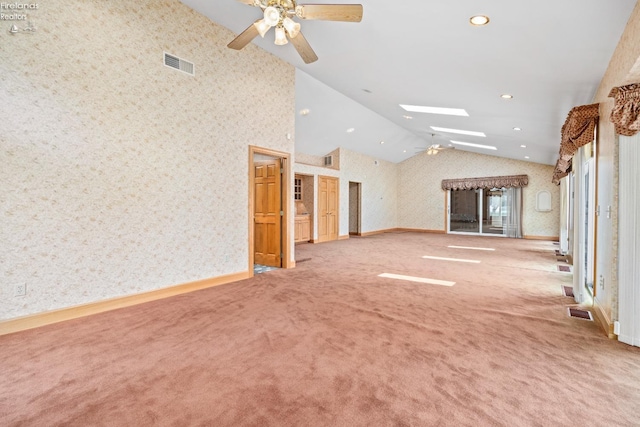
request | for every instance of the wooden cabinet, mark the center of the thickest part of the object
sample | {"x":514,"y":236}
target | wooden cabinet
{"x":302,"y":228}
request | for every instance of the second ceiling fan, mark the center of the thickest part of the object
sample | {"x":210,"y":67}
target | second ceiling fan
{"x":280,"y":14}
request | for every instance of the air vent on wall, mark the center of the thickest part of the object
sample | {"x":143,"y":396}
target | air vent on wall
{"x":328,"y":160}
{"x":178,"y":64}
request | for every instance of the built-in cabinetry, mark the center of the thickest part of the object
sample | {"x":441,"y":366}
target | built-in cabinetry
{"x":302,"y":228}
{"x":303,"y":197}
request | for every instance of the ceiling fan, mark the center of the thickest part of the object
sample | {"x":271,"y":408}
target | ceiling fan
{"x":279,"y":14}
{"x":433,"y":149}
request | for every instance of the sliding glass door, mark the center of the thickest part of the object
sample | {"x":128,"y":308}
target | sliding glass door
{"x":491,"y":211}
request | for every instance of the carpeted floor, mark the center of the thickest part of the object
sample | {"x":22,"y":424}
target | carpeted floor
{"x":330,"y":343}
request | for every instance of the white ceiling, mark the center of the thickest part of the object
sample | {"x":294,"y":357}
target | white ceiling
{"x":550,"y":55}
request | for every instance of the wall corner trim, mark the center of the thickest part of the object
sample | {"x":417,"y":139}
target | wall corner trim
{"x":50,"y":317}
{"x":603,"y":320}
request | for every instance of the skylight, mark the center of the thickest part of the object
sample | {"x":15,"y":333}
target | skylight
{"x":469,"y":144}
{"x":435,"y":110}
{"x":458,"y":131}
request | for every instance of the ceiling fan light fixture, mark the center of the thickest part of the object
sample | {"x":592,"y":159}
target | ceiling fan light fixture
{"x":262,"y":27}
{"x":281,"y":36}
{"x":292,"y":27}
{"x":271,"y":16}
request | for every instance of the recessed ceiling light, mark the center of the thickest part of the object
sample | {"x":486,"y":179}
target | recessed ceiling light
{"x":523,"y":146}
{"x":351,"y":130}
{"x":517,"y":129}
{"x":526,"y":157}
{"x":408,"y":117}
{"x":458,"y":131}
{"x":304,"y":112}
{"x":435,"y":110}
{"x":506,"y":96}
{"x":479,"y":20}
{"x":469,"y":144}
{"x":404,"y":151}
{"x":381,"y":142}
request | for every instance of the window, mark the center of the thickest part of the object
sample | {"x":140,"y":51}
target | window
{"x":297,"y":189}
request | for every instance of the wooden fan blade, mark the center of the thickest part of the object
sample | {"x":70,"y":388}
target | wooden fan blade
{"x":331,"y":12}
{"x":244,"y":38}
{"x":304,"y":48}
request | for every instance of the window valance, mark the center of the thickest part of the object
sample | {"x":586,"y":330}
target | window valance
{"x":626,"y":111}
{"x":563,"y":167}
{"x":578,"y":130}
{"x":487,"y":182}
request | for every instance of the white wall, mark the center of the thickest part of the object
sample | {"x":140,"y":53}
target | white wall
{"x":120,"y":175}
{"x":629,"y":306}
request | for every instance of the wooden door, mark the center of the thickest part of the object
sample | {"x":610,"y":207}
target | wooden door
{"x":268,"y":213}
{"x":327,"y":208}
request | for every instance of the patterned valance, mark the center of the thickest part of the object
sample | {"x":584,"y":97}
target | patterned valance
{"x":626,"y":111}
{"x":487,"y":182}
{"x":563,"y":167}
{"x":578,"y":130}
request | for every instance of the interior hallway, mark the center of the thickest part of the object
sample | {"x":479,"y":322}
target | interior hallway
{"x":332,"y":343}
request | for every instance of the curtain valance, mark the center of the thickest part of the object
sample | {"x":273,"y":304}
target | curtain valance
{"x":626,"y":111}
{"x":578,"y":130}
{"x":487,"y":182}
{"x":563,"y":167}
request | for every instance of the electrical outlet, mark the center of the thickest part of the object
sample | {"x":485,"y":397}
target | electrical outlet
{"x":20,"y":290}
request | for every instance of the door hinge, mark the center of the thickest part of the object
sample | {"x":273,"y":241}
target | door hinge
{"x":281,"y":213}
{"x":281,"y":170}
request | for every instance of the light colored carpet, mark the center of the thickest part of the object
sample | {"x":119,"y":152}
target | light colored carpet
{"x":330,"y":343}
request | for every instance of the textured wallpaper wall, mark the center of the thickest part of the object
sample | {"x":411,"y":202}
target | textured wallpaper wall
{"x":120,"y":175}
{"x":379,"y":189}
{"x":379,"y":198}
{"x":618,"y":73}
{"x":422,"y":200}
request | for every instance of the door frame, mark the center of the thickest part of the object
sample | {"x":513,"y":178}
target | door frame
{"x":285,"y":227}
{"x":358,"y":207}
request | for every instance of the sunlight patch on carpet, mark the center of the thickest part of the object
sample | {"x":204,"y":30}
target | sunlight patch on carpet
{"x":416,"y":279}
{"x":472,"y":248}
{"x":451,"y":259}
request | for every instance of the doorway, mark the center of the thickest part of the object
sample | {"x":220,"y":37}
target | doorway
{"x":328,"y":193}
{"x":269,"y":206}
{"x":486,"y":211}
{"x":355,"y":213}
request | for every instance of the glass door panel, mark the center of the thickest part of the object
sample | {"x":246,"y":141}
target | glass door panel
{"x":495,"y":211}
{"x":465,"y":211}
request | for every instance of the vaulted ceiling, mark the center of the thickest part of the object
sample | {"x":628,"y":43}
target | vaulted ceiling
{"x":549,"y":55}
